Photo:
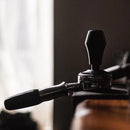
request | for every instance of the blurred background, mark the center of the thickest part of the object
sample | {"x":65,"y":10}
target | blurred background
{"x":42,"y":43}
{"x":26,"y":52}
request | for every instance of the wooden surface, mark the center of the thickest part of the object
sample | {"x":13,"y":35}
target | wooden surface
{"x":102,"y":115}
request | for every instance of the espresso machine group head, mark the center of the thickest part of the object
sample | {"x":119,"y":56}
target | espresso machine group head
{"x":93,"y":80}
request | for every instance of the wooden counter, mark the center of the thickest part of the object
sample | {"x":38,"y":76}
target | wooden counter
{"x":102,"y":115}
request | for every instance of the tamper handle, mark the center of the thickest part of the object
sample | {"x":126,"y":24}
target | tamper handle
{"x":95,"y":43}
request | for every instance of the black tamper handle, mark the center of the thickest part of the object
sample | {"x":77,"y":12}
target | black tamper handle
{"x":95,"y":43}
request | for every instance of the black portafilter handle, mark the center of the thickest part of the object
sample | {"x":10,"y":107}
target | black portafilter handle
{"x":35,"y":97}
{"x":95,"y":43}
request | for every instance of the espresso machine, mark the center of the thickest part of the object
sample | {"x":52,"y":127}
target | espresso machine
{"x":94,"y":83}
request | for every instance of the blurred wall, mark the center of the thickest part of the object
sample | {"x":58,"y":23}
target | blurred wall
{"x":72,"y":20}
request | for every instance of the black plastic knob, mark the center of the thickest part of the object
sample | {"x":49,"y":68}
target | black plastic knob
{"x":95,"y":43}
